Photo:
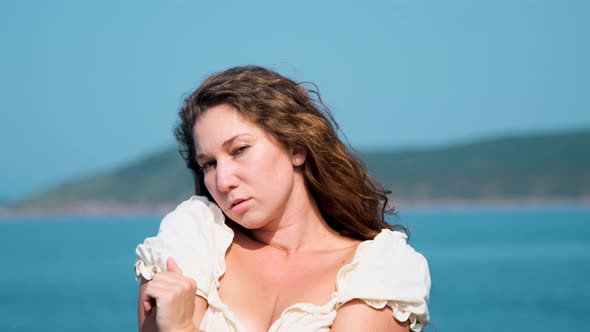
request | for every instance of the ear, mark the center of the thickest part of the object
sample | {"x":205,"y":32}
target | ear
{"x":298,"y":156}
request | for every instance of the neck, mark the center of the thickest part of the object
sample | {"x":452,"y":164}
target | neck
{"x":300,"y":228}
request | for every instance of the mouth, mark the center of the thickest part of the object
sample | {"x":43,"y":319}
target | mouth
{"x":237,"y":202}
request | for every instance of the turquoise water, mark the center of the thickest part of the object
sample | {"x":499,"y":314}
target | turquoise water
{"x":492,"y":270}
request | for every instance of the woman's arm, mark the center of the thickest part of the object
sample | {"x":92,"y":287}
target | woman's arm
{"x":355,"y":315}
{"x":168,"y":289}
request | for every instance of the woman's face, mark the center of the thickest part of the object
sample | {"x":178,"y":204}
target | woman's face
{"x":247,"y":171}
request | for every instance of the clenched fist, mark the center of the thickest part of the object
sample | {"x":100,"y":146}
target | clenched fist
{"x":171,"y":297}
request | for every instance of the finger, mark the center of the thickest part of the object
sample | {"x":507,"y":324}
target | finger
{"x":171,"y":266}
{"x":155,"y":290}
{"x":147,"y":299}
{"x":167,"y":280}
{"x":148,"y":305}
{"x":166,"y":288}
{"x":152,"y":295}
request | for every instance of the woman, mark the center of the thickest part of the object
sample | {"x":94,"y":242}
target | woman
{"x":302,"y":243}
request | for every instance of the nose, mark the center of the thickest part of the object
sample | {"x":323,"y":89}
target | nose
{"x":225,"y":178}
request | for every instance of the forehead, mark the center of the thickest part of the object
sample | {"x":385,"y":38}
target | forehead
{"x":221,"y":115}
{"x":220,"y":123}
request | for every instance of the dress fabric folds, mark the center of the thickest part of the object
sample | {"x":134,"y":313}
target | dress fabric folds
{"x":385,"y":271}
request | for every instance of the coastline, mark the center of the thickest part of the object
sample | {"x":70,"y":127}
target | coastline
{"x":101,"y":209}
{"x":85,"y":210}
{"x":491,"y":204}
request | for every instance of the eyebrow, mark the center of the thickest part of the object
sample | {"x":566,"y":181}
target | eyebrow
{"x":228,"y":142}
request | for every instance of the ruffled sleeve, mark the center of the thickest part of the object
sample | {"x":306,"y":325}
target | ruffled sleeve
{"x":391,"y":273}
{"x":191,"y":235}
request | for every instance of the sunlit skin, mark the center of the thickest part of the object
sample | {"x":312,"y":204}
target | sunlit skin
{"x":287,"y":254}
{"x":243,"y":164}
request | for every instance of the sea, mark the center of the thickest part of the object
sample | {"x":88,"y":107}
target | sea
{"x":492,"y":269}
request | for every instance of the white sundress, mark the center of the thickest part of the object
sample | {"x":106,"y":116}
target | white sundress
{"x":385,"y":271}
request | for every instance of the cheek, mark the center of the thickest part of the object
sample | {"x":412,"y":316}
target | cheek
{"x":274,"y":175}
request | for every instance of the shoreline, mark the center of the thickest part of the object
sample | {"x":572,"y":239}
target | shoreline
{"x":90,"y":210}
{"x":495,"y":204}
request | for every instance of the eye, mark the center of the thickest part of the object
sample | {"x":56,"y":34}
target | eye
{"x":239,"y":150}
{"x":208,"y":165}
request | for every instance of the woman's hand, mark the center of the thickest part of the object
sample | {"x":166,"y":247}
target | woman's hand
{"x":171,"y":298}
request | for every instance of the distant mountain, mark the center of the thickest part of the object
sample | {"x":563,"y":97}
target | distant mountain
{"x":158,"y":179}
{"x":544,"y":166}
{"x":5,"y":201}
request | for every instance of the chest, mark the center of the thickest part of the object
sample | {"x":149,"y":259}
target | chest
{"x":259,"y":284}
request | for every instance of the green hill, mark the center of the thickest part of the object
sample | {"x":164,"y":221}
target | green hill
{"x":545,"y":166}
{"x":158,"y":179}
{"x":555,"y":166}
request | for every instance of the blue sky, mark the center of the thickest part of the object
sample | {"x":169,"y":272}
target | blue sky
{"x":89,"y":86}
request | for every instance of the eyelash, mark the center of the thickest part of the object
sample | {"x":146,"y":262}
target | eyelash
{"x":207,"y":165}
{"x":234,"y":153}
{"x":239,"y":150}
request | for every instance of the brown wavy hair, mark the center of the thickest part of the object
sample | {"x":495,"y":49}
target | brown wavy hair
{"x":350,"y":201}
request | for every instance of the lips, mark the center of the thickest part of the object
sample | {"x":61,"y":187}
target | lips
{"x":236,"y":202}
{"x":238,"y":205}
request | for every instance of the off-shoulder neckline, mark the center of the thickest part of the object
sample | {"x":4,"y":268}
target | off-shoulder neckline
{"x":305,"y":306}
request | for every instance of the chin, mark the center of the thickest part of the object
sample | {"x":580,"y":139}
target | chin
{"x":250,"y":223}
{"x":251,"y":226}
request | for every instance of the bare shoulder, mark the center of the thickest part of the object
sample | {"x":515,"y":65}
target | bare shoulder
{"x":355,"y":315}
